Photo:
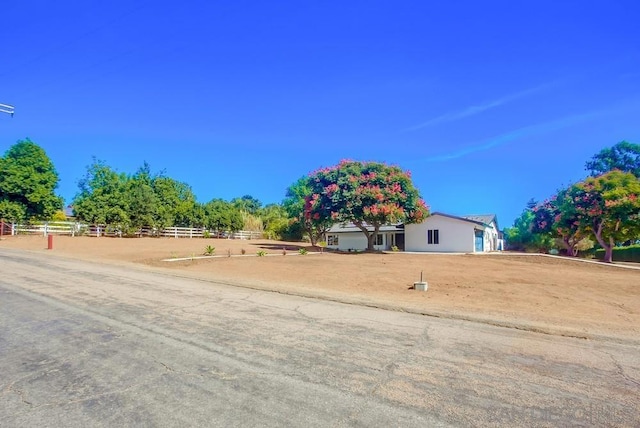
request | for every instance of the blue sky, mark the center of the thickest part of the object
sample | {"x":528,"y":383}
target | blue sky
{"x":488,"y":104}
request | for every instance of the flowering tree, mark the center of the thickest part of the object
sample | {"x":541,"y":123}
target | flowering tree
{"x":609,"y":207}
{"x":559,"y":218}
{"x":368,"y":194}
{"x":297,"y":204}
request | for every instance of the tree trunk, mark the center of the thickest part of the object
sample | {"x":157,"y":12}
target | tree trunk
{"x":370,"y":235}
{"x":608,"y":254}
{"x":569,"y":246}
{"x":608,"y":247}
{"x":370,"y":239}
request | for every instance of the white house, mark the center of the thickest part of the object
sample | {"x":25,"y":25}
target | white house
{"x":349,"y":238}
{"x":452,"y":234}
{"x":438,"y":233}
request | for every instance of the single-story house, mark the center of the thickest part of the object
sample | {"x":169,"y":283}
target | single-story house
{"x":452,"y":234}
{"x":438,"y":233}
{"x":348,"y":237}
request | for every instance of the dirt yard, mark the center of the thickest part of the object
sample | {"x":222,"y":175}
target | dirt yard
{"x":538,"y":293}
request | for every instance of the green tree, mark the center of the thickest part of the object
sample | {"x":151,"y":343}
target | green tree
{"x":177,"y":205}
{"x":608,"y":206}
{"x":247,"y":203}
{"x":28,"y":181}
{"x":624,"y":156}
{"x":142,"y":202}
{"x":523,"y":237}
{"x":12,"y":211}
{"x":222,"y":216}
{"x":301,"y":222}
{"x":102,"y":197}
{"x":557,"y":217}
{"x":367,"y":194}
{"x":275,"y":221}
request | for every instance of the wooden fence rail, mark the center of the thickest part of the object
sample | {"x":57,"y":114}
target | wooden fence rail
{"x":77,"y":229}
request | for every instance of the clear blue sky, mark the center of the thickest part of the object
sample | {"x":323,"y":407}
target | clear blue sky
{"x":488,"y":104}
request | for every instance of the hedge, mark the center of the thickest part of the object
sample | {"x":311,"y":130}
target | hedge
{"x":622,"y":254}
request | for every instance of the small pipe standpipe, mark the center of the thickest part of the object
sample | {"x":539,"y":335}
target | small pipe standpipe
{"x":50,"y":242}
{"x":422,"y":285}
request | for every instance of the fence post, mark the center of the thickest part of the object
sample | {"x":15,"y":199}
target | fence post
{"x":46,"y":226}
{"x":13,"y":229}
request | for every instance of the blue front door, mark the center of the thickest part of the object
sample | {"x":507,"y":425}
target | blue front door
{"x":479,"y":241}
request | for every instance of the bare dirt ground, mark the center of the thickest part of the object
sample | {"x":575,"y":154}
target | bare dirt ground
{"x":551,"y":295}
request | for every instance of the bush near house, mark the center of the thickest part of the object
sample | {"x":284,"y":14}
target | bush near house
{"x":622,"y":254}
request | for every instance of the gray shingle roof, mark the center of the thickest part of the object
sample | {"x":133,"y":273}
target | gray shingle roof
{"x":483,"y":218}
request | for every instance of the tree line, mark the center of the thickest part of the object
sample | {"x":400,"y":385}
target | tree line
{"x":367,"y":194}
{"x":602,"y":209}
{"x":128,"y":202}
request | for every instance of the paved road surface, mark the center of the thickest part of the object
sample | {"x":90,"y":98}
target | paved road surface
{"x":86,"y":344}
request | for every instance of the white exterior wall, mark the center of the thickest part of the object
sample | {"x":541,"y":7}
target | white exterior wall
{"x":491,"y":238}
{"x":354,"y":241}
{"x":455,"y":236}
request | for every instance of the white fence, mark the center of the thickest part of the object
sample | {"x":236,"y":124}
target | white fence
{"x":77,"y":229}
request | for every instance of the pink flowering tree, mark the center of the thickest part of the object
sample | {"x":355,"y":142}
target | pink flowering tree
{"x":558,"y":218}
{"x":297,"y":204}
{"x":608,"y":206}
{"x":367,"y":194}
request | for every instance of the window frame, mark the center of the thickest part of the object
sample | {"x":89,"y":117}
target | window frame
{"x":433,"y":236}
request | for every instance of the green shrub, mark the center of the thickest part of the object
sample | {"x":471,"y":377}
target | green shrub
{"x":262,"y":253}
{"x":622,"y":254}
{"x":302,"y":251}
{"x":209,"y":250}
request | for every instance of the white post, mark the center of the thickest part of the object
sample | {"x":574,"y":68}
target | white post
{"x":46,"y":228}
{"x":13,"y":229}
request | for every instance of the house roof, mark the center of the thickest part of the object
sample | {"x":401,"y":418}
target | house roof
{"x":455,"y":217}
{"x":481,"y":220}
{"x":484,"y":218}
{"x":350,"y":227}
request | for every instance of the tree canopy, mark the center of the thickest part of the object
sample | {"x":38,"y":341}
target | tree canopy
{"x":367,"y":194}
{"x":102,"y":196}
{"x":28,"y":181}
{"x":296,"y":204}
{"x":558,"y":218}
{"x":524,"y":236}
{"x":623,"y":156}
{"x":608,"y":206}
{"x":145,"y":199}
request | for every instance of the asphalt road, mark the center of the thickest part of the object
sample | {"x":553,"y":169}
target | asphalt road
{"x":85,"y":344}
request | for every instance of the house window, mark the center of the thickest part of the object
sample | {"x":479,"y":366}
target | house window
{"x":332,"y":239}
{"x":378,"y":240}
{"x":433,"y":236}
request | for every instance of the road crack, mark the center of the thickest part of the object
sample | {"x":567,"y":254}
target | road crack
{"x":620,"y":370}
